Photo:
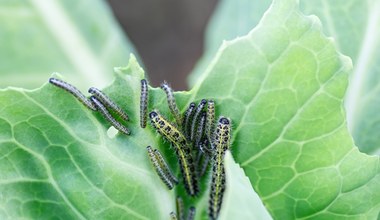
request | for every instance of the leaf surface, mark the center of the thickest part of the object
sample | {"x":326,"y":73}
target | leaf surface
{"x":282,"y":85}
{"x":355,"y":25}
{"x":230,"y":20}
{"x":240,"y":200}
{"x":58,"y":162}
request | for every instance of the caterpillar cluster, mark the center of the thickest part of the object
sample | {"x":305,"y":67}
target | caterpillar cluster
{"x":196,"y":139}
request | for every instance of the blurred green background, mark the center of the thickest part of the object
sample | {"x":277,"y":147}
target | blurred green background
{"x":82,"y":41}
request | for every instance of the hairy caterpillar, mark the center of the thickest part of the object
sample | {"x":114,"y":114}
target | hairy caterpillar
{"x":165,"y":167}
{"x":221,"y":143}
{"x":187,"y":116}
{"x":182,"y":149}
{"x":144,"y":98}
{"x":210,"y":119}
{"x":105,"y":100}
{"x":191,"y":214}
{"x":102,"y":109}
{"x":74,"y":91}
{"x":160,"y":172}
{"x":171,"y":102}
{"x":195,"y":119}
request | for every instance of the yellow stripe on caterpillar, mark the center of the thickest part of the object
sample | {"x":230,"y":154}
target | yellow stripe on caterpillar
{"x":182,"y":149}
{"x":221,"y":143}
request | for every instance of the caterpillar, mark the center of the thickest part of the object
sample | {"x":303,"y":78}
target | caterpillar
{"x":202,"y":163}
{"x":165,"y":167}
{"x":74,"y":91}
{"x":205,"y":153}
{"x":102,"y":109}
{"x":160,"y":172}
{"x":180,"y":208}
{"x":144,"y":99}
{"x":210,"y":124}
{"x":191,"y":213}
{"x":105,"y":100}
{"x":171,"y":102}
{"x":182,"y":149}
{"x":204,"y":147}
{"x":187,"y":116}
{"x":221,"y":143}
{"x":195,"y":119}
{"x":200,"y":129}
{"x":173,"y":216}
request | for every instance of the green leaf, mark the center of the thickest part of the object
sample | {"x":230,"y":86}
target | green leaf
{"x":282,"y":85}
{"x":355,"y":25}
{"x":240,"y":200}
{"x":58,"y":162}
{"x":79,"y":39}
{"x":230,"y":20}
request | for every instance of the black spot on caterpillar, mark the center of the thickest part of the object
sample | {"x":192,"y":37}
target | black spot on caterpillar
{"x":171,"y":102}
{"x":218,"y":180}
{"x":182,"y":149}
{"x":74,"y":91}
{"x":144,"y":98}
{"x":102,"y":109}
{"x":160,"y":172}
{"x":105,"y":100}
